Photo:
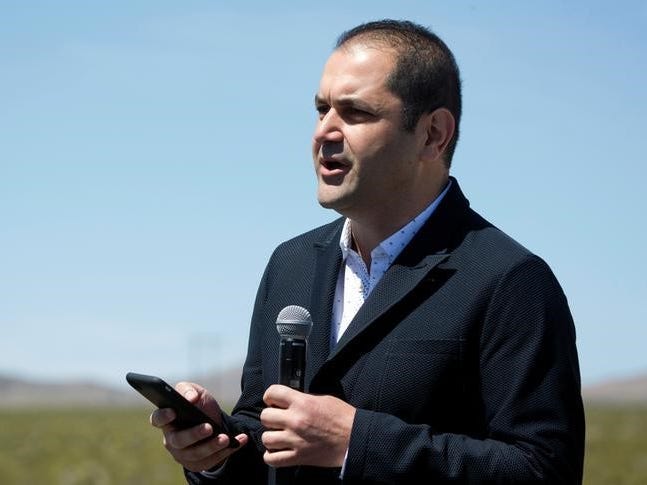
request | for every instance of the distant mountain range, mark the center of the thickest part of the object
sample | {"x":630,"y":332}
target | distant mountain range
{"x":27,"y":393}
{"x":225,"y":385}
{"x":626,"y":390}
{"x":16,"y":392}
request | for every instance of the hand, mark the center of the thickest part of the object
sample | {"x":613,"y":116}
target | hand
{"x":303,"y":429}
{"x":184,"y":444}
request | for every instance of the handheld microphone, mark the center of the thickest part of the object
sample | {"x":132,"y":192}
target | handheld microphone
{"x":294,"y":324}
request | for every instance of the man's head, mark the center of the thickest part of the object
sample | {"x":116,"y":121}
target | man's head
{"x":380,"y":160}
{"x":425,"y":76}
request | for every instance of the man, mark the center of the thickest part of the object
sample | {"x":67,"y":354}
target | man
{"x":441,"y":349}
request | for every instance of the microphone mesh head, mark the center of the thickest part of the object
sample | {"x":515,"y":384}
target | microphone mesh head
{"x":294,"y":322}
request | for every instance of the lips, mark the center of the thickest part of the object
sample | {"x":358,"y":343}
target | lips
{"x":330,"y":167}
{"x":333,"y":164}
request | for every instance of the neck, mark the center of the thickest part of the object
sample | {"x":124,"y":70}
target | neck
{"x":369,"y":230}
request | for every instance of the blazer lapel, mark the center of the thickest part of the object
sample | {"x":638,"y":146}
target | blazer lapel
{"x":397,"y":282}
{"x":328,"y":262}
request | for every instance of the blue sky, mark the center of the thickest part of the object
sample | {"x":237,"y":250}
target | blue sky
{"x":153,"y":153}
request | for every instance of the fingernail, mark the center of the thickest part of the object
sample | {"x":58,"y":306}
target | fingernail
{"x":206,"y":430}
{"x":190,"y":394}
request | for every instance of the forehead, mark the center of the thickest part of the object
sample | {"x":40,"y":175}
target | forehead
{"x":356,"y":69}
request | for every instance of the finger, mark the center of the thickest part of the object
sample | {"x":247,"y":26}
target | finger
{"x":280,"y":396}
{"x":198,"y":395}
{"x":160,"y":418}
{"x":205,"y":454}
{"x":242,"y":439}
{"x":276,"y":441}
{"x":184,"y":438}
{"x":280,"y":459}
{"x":190,"y":390}
{"x":200,"y":458}
{"x":274,"y":418}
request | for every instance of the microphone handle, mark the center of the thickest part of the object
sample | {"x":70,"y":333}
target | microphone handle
{"x":292,"y":363}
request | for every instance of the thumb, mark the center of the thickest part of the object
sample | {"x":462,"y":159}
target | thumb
{"x":199,"y":396}
{"x":190,"y":391}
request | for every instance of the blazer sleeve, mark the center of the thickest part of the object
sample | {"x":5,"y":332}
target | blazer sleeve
{"x":531,"y":401}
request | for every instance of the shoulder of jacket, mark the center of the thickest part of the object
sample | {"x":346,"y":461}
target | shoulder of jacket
{"x":320,"y":235}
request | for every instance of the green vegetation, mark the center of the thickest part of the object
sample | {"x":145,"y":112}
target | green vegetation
{"x":616,"y":446}
{"x":83,"y":447}
{"x":117,"y":446}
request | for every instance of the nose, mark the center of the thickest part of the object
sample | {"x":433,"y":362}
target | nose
{"x":328,"y":128}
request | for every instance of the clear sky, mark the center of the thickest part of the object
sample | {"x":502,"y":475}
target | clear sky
{"x":153,"y":153}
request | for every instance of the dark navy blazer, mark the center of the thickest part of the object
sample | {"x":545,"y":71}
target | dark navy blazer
{"x":462,"y":361}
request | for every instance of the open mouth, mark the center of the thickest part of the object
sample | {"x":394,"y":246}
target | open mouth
{"x":333,"y":165}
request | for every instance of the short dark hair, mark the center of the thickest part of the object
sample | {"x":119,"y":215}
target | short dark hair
{"x":425,"y":76}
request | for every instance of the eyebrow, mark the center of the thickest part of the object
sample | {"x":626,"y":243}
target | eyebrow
{"x":345,"y":100}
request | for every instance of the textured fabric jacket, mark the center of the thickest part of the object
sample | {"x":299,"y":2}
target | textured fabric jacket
{"x":462,"y":361}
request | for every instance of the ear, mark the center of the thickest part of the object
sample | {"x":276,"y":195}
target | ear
{"x":439,"y":127}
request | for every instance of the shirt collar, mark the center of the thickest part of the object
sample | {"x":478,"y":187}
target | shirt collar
{"x":393,"y":245}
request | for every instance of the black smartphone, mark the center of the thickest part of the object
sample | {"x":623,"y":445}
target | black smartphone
{"x":164,"y":396}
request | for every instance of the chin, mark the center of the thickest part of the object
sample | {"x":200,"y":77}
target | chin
{"x":332,"y":197}
{"x":327,"y":204}
{"x":333,"y":203}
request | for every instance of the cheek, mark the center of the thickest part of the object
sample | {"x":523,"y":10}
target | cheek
{"x":365,"y":145}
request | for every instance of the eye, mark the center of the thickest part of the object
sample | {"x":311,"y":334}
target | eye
{"x":322,"y":109}
{"x":355,"y":114}
{"x":358,"y":112}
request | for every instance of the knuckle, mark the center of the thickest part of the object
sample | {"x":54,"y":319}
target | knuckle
{"x":299,"y":422}
{"x":214,"y":446}
{"x":170,"y":441}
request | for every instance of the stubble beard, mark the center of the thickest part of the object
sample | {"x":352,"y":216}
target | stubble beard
{"x":333,"y":197}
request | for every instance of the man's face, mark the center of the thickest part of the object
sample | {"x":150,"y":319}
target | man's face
{"x":364,"y":160}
